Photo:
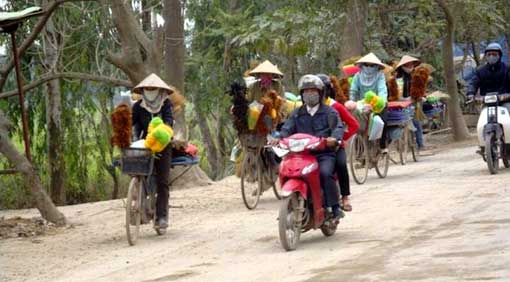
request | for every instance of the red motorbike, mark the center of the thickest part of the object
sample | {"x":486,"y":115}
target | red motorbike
{"x":302,"y":205}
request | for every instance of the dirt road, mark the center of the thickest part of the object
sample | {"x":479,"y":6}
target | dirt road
{"x":442,"y":219}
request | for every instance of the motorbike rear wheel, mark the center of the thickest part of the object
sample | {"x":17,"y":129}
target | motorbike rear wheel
{"x":134,"y":210}
{"x":359,"y":159}
{"x":329,"y":228}
{"x":290,"y":221}
{"x":491,"y":154}
{"x":504,"y":155}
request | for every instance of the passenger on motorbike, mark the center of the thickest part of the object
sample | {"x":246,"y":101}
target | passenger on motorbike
{"x":155,"y":102}
{"x":491,"y":77}
{"x":352,"y":128}
{"x":371,"y":78}
{"x":317,"y":119}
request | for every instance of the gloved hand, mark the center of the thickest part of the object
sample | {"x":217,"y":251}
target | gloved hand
{"x":331,"y":142}
{"x":367,"y":108}
{"x":470,"y":99}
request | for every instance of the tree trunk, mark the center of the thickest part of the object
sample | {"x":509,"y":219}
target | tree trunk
{"x":31,"y":179}
{"x":476,"y":52}
{"x":174,"y":56}
{"x":51,"y":43}
{"x":460,"y":131}
{"x":354,"y":28}
{"x":208,"y":139}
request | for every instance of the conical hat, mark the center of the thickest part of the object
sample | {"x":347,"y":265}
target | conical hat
{"x":370,"y":58}
{"x":407,"y":59}
{"x":266,"y":67}
{"x":153,"y":81}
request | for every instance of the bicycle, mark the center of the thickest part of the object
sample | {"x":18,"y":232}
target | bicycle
{"x":258,"y":171}
{"x":141,"y":196}
{"x":365,"y":154}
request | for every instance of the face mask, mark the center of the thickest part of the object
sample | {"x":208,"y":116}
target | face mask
{"x":266,"y":81}
{"x":370,"y":70}
{"x":311,"y":99}
{"x":407,"y":70}
{"x":492,"y":59}
{"x":150,"y":95}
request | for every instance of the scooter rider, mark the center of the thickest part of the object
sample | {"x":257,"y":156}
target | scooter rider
{"x":490,"y":77}
{"x":317,"y":119}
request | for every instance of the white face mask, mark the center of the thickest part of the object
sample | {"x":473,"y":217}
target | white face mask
{"x":407,"y":70}
{"x":150,"y":95}
{"x":370,"y":70}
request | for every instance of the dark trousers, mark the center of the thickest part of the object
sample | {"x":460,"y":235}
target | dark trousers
{"x":384,"y":138}
{"x":162,"y":168}
{"x":342,"y":172}
{"x":327,"y":169}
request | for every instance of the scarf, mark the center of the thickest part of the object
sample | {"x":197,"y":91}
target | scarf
{"x":154,"y":106}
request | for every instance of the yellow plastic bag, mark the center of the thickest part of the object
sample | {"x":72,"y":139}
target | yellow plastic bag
{"x":254,"y":110}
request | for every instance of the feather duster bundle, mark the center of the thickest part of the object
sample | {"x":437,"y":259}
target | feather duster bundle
{"x":121,"y":123}
{"x":342,"y":88}
{"x":419,"y":80}
{"x":178,"y":101}
{"x":239,"y":107}
{"x":393,"y":94}
{"x":262,"y":126}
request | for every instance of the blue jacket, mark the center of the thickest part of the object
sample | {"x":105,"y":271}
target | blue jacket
{"x":489,"y":78}
{"x":324,"y":123}
{"x":358,"y":90}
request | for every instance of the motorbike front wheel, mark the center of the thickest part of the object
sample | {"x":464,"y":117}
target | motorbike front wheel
{"x":491,"y":154}
{"x":289,"y":221}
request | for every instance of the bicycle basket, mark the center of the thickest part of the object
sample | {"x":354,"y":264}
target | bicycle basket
{"x":136,"y":161}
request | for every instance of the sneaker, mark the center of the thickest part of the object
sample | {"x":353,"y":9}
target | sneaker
{"x":162,"y":223}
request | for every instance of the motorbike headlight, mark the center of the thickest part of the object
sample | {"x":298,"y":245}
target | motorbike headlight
{"x":309,"y":168}
{"x":490,"y":99}
{"x":298,"y":145}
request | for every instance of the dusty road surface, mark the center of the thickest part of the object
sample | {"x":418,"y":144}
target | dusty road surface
{"x":442,"y":219}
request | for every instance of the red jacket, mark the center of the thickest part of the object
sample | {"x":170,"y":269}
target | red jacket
{"x":347,"y":118}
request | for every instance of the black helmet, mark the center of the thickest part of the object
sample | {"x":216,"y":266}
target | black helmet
{"x":310,"y":81}
{"x":328,"y":88}
{"x":494,"y":47}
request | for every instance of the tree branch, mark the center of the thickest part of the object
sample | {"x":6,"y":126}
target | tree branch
{"x":70,"y":75}
{"x":4,"y":72}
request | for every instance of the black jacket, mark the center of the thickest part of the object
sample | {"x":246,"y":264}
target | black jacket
{"x":142,"y":118}
{"x":406,"y":77}
{"x":489,"y":78}
{"x":324,"y":123}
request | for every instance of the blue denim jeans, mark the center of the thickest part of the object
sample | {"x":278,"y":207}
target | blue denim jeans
{"x":419,"y":133}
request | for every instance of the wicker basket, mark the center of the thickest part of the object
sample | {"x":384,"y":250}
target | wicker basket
{"x":136,"y":161}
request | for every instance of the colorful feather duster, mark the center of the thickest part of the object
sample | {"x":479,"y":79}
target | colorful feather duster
{"x":419,"y":80}
{"x":341,"y":88}
{"x":121,"y":123}
{"x":393,"y":93}
{"x":178,"y":101}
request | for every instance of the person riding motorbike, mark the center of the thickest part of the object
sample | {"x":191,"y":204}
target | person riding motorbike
{"x":352,"y":127}
{"x":317,"y":119}
{"x":155,"y":102}
{"x":371,"y":78}
{"x":491,"y":77}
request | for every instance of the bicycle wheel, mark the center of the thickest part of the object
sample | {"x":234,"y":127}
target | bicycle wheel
{"x":133,"y":210}
{"x":411,"y":143}
{"x":251,"y":179}
{"x":277,"y":188}
{"x":382,"y":163}
{"x":403,"y":147}
{"x":358,"y":159}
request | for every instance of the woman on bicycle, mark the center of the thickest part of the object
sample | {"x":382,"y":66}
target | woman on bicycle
{"x":352,"y":127}
{"x":370,"y":78}
{"x":155,"y":102}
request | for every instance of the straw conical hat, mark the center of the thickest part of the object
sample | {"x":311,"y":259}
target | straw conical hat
{"x":266,"y":67}
{"x":370,"y":58}
{"x":153,"y":81}
{"x":407,"y":59}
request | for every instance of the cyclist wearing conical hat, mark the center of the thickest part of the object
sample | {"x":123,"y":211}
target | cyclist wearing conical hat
{"x":155,"y":102}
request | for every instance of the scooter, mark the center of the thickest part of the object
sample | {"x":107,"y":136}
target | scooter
{"x":493,"y":131}
{"x":302,"y":205}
